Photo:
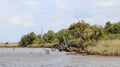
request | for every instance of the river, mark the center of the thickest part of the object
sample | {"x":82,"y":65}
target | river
{"x":45,"y":57}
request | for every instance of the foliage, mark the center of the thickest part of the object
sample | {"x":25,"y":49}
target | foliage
{"x":79,"y":34}
{"x":41,"y":40}
{"x":24,"y":41}
{"x":85,"y":34}
{"x":63,"y":36}
{"x":112,"y":28}
{"x":50,"y":37}
{"x":28,"y":39}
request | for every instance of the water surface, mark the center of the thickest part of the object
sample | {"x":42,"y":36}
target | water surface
{"x":40,"y":57}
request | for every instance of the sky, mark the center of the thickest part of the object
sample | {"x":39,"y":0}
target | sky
{"x":19,"y":17}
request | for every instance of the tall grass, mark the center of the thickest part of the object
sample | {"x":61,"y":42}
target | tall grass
{"x":106,"y":47}
{"x":47,"y":45}
{"x":9,"y":45}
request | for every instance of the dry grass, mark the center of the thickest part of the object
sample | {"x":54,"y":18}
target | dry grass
{"x":31,"y":46}
{"x":106,"y":47}
{"x":9,"y":45}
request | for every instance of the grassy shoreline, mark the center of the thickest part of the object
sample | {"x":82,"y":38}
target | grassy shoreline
{"x":106,"y":48}
{"x":103,"y":47}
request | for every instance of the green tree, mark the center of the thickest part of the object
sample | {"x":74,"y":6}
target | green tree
{"x":49,"y":37}
{"x":85,"y":34}
{"x":98,"y":32}
{"x":79,"y":30}
{"x":109,"y":27}
{"x":112,"y":30}
{"x":41,"y":40}
{"x":33,"y":38}
{"x":63,"y":36}
{"x":116,"y":27}
{"x":24,"y":41}
{"x":28,"y":39}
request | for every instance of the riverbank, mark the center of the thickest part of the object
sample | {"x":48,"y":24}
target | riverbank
{"x":16,"y":45}
{"x":103,"y":47}
{"x":106,"y":48}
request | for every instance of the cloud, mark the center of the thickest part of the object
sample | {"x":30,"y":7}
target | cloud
{"x":15,"y":20}
{"x":3,"y":9}
{"x":61,"y":3}
{"x":32,"y":3}
{"x":32,"y":15}
{"x":24,"y":22}
{"x":109,"y":3}
{"x":100,"y":19}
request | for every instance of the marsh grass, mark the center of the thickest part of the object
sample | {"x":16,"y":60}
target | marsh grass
{"x":9,"y":45}
{"x":106,"y":47}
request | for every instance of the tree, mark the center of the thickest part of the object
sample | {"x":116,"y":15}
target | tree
{"x":98,"y":32}
{"x":80,"y":31}
{"x":63,"y":36}
{"x":109,"y":27}
{"x":112,"y":30}
{"x":41,"y":40}
{"x":49,"y":37}
{"x":116,"y":27}
{"x":28,"y":39}
{"x":24,"y":41}
{"x":85,"y":34}
{"x":32,"y":38}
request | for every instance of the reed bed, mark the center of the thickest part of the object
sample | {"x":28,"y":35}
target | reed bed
{"x":106,"y":47}
{"x":10,"y":45}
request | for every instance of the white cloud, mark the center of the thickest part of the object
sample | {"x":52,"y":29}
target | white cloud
{"x":108,"y":3}
{"x":61,"y":3}
{"x":100,"y":19}
{"x":18,"y":21}
{"x":28,"y":24}
{"x":3,"y":9}
{"x":15,"y":20}
{"x":32,"y":3}
{"x":1,"y":25}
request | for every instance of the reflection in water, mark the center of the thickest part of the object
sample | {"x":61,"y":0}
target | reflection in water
{"x":45,"y":57}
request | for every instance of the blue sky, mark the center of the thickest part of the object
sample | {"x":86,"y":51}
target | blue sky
{"x":19,"y":17}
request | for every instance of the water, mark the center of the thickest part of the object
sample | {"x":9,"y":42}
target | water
{"x":45,"y":57}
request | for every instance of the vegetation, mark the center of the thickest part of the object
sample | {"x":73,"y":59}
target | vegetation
{"x":9,"y":45}
{"x":28,"y":39}
{"x":80,"y":35}
{"x":106,"y":47}
{"x":85,"y":34}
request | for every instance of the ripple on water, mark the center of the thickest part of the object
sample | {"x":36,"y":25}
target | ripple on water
{"x":36,"y":57}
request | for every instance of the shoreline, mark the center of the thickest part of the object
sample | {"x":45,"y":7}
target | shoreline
{"x":76,"y":51}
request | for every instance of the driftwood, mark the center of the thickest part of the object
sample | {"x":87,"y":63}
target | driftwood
{"x":70,"y":49}
{"x":47,"y":51}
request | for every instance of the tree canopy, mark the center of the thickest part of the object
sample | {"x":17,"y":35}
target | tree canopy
{"x":79,"y":34}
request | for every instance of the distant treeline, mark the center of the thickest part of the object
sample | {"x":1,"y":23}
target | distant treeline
{"x":79,"y":34}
